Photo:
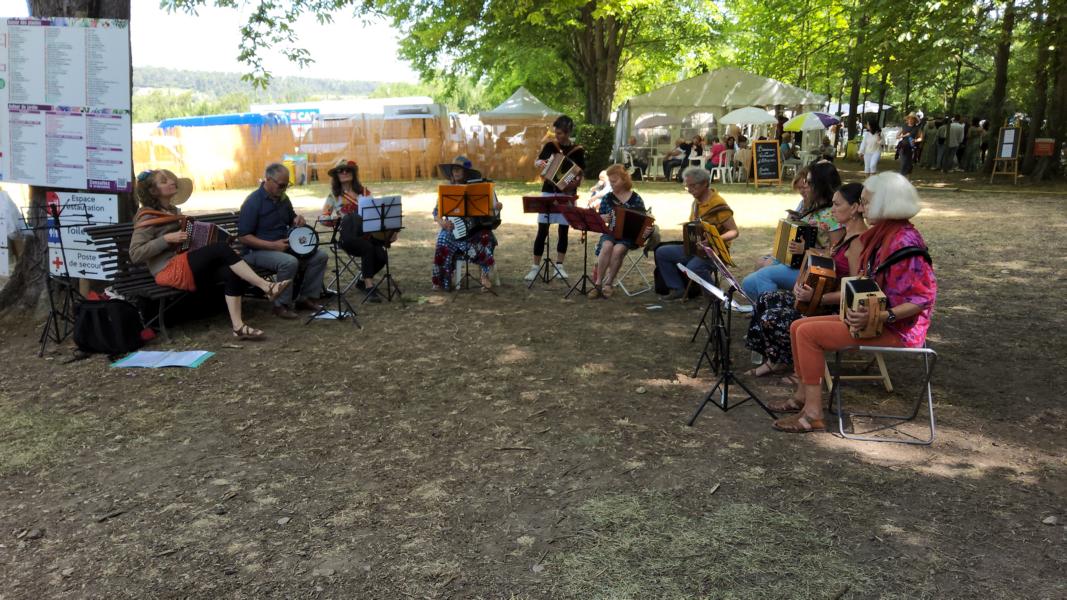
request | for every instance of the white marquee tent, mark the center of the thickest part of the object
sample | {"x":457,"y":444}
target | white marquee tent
{"x":521,"y":106}
{"x":716,"y":92}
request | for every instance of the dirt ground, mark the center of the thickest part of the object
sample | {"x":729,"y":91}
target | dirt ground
{"x":527,"y":446}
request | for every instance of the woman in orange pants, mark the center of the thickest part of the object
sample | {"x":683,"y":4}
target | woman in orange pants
{"x":894,"y":255}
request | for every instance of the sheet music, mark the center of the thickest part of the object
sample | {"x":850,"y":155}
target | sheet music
{"x":714,"y":290}
{"x":380,"y":214}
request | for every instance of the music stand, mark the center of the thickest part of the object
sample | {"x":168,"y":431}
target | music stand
{"x":344,"y":307}
{"x":60,"y":323}
{"x":723,"y":329}
{"x":547,"y":204}
{"x":382,"y":215}
{"x":584,"y":220}
{"x":713,"y":341}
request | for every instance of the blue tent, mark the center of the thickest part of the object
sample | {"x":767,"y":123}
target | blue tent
{"x":254,"y":119}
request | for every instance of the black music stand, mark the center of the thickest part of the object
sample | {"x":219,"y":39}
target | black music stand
{"x":385,"y":216}
{"x":584,"y":220}
{"x":723,"y":329}
{"x":714,"y":341}
{"x":344,"y":307}
{"x":547,"y":204}
{"x":62,"y":295}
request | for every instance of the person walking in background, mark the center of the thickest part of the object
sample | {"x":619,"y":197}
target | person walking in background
{"x":871,"y":147}
{"x":955,"y":132}
{"x":973,"y":147}
{"x":910,"y":143}
{"x":929,"y":149}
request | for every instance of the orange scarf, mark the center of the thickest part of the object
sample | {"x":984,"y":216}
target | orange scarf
{"x":876,"y":242}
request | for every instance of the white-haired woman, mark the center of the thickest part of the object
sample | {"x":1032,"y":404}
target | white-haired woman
{"x":894,"y":255}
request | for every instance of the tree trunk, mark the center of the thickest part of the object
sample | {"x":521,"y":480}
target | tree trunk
{"x":1057,"y":115}
{"x":24,"y":288}
{"x":955,"y":87}
{"x":857,"y":71}
{"x":1000,"y":78}
{"x":881,"y":96}
{"x":1038,"y":108}
{"x":597,"y":55}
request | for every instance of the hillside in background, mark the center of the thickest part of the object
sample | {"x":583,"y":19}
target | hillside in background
{"x":160,"y":93}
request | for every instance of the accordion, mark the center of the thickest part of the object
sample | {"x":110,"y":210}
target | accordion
{"x":200,"y":234}
{"x":630,"y":225}
{"x":561,"y":171}
{"x":692,"y":234}
{"x":858,"y":293}
{"x":817,"y":272}
{"x":792,"y":231}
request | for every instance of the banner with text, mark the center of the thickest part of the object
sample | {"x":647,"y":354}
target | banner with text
{"x":65,"y":102}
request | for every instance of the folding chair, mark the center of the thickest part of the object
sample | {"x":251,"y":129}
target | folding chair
{"x":635,"y":267}
{"x":865,"y":364}
{"x":348,"y":268}
{"x":929,"y":359}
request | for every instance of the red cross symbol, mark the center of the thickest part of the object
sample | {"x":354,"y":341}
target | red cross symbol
{"x":57,"y":262}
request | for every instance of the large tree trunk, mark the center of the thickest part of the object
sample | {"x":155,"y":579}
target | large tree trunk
{"x":597,"y":55}
{"x":1000,"y":78}
{"x":881,"y":96}
{"x":1057,"y":114}
{"x":955,"y":87}
{"x":1042,"y":26}
{"x":24,"y":289}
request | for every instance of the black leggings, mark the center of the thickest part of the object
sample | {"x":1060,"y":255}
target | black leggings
{"x":542,"y":237}
{"x":372,"y":253}
{"x":211,"y":264}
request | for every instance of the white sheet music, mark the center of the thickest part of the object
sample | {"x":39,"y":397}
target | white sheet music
{"x":714,"y":290}
{"x":372,"y":210}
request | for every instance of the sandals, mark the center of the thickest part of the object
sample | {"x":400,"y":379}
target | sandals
{"x":789,"y":405}
{"x":244,"y":332}
{"x":799,"y":424}
{"x":595,"y":293}
{"x":276,"y":288}
{"x":765,"y":370}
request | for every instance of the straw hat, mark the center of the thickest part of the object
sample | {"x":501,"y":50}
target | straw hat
{"x":342,"y":163}
{"x":184,"y":185}
{"x":185,"y":189}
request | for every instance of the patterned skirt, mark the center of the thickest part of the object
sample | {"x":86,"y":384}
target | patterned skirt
{"x":479,"y":247}
{"x":768,"y":331}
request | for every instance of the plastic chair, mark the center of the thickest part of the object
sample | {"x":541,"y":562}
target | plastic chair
{"x":631,"y":169}
{"x":929,"y":360}
{"x":721,"y":168}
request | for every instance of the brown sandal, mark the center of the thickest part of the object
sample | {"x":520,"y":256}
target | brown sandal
{"x":799,"y":424}
{"x":244,"y":332}
{"x":276,"y":288}
{"x":765,"y":370}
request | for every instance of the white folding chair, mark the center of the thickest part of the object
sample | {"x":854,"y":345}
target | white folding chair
{"x":635,"y":269}
{"x":929,"y":359}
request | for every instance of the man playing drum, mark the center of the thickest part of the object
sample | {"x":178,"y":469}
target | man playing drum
{"x":263,"y":227}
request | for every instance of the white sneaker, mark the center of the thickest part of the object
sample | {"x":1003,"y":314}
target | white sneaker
{"x":533,"y":273}
{"x":562,"y":271}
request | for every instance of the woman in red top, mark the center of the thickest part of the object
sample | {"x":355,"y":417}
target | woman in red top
{"x":908,"y":284}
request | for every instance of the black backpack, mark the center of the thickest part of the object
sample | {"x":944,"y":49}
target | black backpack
{"x":111,"y":327}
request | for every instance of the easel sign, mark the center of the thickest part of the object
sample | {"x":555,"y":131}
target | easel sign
{"x":766,"y":163}
{"x":1006,"y":160}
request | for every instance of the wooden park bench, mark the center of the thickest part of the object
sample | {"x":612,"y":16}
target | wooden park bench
{"x":135,"y":281}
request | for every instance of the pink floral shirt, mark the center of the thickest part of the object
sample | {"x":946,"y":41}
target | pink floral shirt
{"x":910,"y":281}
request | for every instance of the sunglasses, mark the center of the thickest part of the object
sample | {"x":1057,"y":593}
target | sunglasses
{"x":281,"y":186}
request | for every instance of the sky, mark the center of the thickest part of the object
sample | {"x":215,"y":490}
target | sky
{"x":345,"y":49}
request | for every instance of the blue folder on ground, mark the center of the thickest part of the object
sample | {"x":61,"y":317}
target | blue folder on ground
{"x":156,"y":360}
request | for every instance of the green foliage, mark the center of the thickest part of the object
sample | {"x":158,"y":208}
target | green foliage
{"x":597,"y":141}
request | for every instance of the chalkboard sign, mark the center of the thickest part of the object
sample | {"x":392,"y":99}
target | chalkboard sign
{"x":1008,"y":143}
{"x":767,"y":165}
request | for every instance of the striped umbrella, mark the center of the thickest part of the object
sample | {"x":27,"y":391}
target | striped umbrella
{"x":810,"y":121}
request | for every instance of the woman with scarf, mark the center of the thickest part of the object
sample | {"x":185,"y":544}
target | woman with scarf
{"x":157,"y":239}
{"x":907,"y":281}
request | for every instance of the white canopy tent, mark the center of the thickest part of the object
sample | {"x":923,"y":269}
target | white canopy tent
{"x":521,"y":106}
{"x":841,"y":108}
{"x":716,"y":92}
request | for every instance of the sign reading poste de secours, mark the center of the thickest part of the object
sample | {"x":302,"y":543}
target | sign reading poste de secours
{"x":70,"y":251}
{"x":65,"y":103}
